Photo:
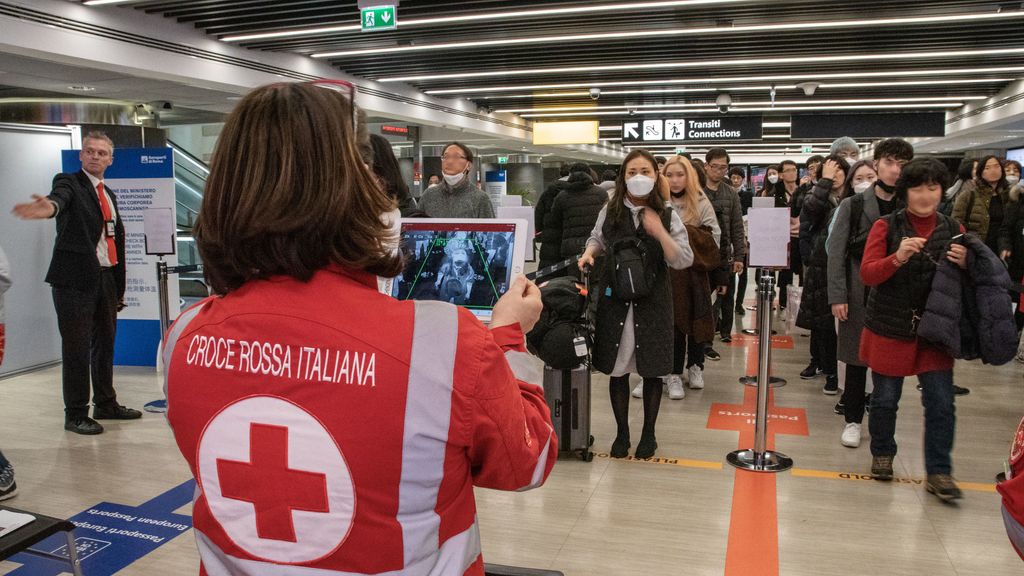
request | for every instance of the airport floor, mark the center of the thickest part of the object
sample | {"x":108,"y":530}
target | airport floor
{"x":684,"y":512}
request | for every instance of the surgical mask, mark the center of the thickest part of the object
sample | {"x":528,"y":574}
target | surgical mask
{"x":774,"y":179}
{"x":640,"y":186}
{"x":453,"y":179}
{"x":888,"y":189}
{"x":1011,"y":180}
{"x":863,"y":187}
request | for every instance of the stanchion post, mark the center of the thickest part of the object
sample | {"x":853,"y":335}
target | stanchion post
{"x":760,"y":459}
{"x":765,"y":296}
{"x":161,"y":282}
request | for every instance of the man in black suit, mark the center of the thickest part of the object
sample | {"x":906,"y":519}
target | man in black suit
{"x":87,"y":273}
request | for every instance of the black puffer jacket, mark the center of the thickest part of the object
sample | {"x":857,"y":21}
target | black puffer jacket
{"x":969,"y":313}
{"x":571,"y":219}
{"x":815,"y":311}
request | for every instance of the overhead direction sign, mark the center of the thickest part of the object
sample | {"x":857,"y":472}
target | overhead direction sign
{"x":379,"y":18}
{"x":675,"y":129}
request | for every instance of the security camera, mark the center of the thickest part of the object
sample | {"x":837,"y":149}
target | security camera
{"x":723,"y":102}
{"x":632,"y":111}
{"x":808,"y":87}
{"x":595,"y":93}
{"x":162,"y":104}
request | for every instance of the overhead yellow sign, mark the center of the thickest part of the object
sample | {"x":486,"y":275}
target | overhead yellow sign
{"x":583,"y":132}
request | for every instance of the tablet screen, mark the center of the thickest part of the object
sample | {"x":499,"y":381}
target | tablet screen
{"x":468,"y":264}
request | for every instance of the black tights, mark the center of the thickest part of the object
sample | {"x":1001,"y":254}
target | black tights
{"x":619,"y":389}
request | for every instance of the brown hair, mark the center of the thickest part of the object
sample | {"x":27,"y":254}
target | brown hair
{"x":655,"y":201}
{"x":692,"y":191}
{"x":288,"y":192}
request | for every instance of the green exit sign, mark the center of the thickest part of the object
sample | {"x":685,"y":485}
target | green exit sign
{"x":502,"y":159}
{"x":808,"y":149}
{"x":379,"y":18}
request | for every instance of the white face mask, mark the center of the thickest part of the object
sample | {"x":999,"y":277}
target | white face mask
{"x":774,"y":179}
{"x":453,"y":179}
{"x":1011,"y":180}
{"x":640,"y":186}
{"x":863,"y":187}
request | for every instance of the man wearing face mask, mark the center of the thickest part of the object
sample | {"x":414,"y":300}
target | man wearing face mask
{"x":456,"y":196}
{"x":733,"y":246}
{"x":846,"y":292}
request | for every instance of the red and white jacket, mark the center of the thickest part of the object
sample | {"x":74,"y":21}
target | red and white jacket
{"x":334,"y":430}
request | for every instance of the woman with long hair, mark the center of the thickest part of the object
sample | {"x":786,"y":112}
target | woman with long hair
{"x":691,"y":288}
{"x":815,"y":313}
{"x":633,"y":333}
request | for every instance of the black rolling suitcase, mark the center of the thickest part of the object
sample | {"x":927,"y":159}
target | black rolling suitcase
{"x":567,"y":391}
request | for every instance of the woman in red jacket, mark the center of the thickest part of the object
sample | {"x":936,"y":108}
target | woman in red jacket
{"x":330,"y":427}
{"x":902,"y":251}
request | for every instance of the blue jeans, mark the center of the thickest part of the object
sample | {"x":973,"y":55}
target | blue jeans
{"x":939,"y":417}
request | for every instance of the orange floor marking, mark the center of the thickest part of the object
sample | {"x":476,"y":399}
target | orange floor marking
{"x":753,"y":545}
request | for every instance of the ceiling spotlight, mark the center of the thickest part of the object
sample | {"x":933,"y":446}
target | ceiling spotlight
{"x":808,"y":87}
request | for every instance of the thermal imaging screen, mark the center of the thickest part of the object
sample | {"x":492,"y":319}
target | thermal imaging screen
{"x":467,"y":265}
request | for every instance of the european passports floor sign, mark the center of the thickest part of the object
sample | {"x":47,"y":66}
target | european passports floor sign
{"x":109,"y":537}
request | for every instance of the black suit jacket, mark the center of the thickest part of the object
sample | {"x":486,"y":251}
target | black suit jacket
{"x":79,"y":228}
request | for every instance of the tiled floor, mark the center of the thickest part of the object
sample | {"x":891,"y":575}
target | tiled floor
{"x":612,"y":517}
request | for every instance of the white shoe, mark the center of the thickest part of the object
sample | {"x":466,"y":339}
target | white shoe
{"x":638,"y":390}
{"x":696,"y":377}
{"x":851,"y":435}
{"x":675,"y":387}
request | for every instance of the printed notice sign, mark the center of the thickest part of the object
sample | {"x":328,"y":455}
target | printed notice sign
{"x":769,"y":237}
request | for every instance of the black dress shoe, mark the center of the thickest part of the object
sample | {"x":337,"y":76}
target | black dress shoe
{"x":83,"y":425}
{"x":116,"y":412}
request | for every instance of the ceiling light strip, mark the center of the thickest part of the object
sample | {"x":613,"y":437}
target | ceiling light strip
{"x":714,"y":64}
{"x":639,"y":107}
{"x":708,"y":30}
{"x":752,"y":109}
{"x":724,"y":79}
{"x":655,"y":92}
{"x":488,"y":16}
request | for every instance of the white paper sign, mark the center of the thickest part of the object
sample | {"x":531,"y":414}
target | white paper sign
{"x":762,"y":202}
{"x":523,"y":213}
{"x":158,"y":226}
{"x":769,"y":237}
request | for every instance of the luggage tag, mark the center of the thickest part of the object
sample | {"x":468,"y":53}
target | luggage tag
{"x":110,"y":228}
{"x":580,"y":343}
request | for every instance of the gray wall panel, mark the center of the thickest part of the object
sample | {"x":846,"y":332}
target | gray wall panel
{"x":29,"y":158}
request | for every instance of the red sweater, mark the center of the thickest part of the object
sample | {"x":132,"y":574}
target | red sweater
{"x":890,"y":356}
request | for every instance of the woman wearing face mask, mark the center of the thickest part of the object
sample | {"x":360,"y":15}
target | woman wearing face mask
{"x":771,"y":178}
{"x":982,"y":209}
{"x":456,"y":196}
{"x":691,"y":288}
{"x":815,"y":313}
{"x":1011,"y":237}
{"x":635,"y":335}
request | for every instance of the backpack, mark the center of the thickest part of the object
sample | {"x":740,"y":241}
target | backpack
{"x":634,"y":265}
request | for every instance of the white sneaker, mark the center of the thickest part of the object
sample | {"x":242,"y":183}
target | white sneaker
{"x":696,"y":377}
{"x":851,"y":435}
{"x":638,"y":390}
{"x":675,"y":387}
